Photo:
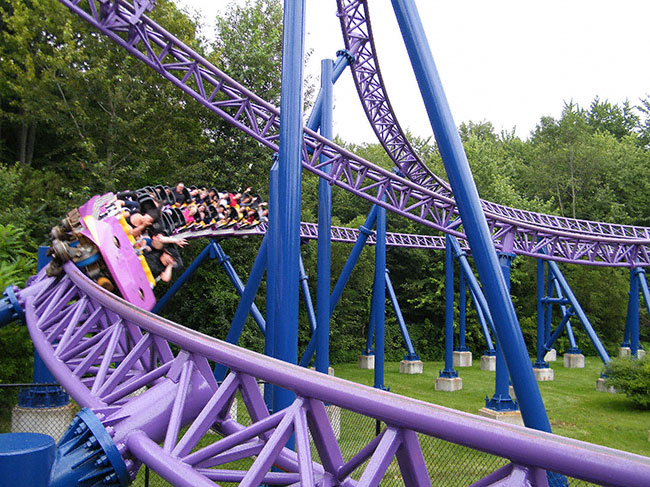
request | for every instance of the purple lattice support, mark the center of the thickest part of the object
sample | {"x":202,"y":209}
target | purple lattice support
{"x":167,"y":423}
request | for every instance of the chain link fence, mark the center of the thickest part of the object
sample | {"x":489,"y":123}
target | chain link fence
{"x":449,"y":465}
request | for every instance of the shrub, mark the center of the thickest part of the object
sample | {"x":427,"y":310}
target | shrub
{"x":632,"y":377}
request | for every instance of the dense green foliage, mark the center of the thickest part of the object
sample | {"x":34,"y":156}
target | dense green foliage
{"x":79,"y":117}
{"x":632,"y":377}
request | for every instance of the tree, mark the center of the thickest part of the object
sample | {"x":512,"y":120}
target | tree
{"x":620,"y":121}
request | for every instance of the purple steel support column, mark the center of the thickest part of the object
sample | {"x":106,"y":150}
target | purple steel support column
{"x":324,"y":230}
{"x":288,"y":196}
{"x":41,"y":373}
{"x":474,"y":222}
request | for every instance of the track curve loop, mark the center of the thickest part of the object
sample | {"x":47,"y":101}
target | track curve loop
{"x":149,"y":381}
{"x":358,"y":37}
{"x":524,"y":233}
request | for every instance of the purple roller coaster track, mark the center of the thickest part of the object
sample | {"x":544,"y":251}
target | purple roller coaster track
{"x":148,"y":386}
{"x":160,"y":406}
{"x":423,"y":197}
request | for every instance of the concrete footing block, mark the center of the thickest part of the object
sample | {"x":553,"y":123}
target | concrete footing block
{"x":511,"y":392}
{"x":411,"y":367}
{"x":48,"y":421}
{"x":449,"y":384}
{"x":462,"y":359}
{"x":330,"y":370}
{"x":574,"y":361}
{"x":543,"y":374}
{"x":627,"y":352}
{"x":489,"y":362}
{"x":510,"y":417}
{"x":551,"y":355}
{"x":366,"y":362}
{"x":601,"y":386}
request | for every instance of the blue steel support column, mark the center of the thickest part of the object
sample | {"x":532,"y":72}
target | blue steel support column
{"x":626,"y":333}
{"x":245,"y":303}
{"x":462,"y":316}
{"x":189,"y":272}
{"x":379,"y":298}
{"x":304,"y":286}
{"x":344,"y":59}
{"x":481,"y":314}
{"x":548,"y":308}
{"x":633,"y":312}
{"x":323,"y":276}
{"x":643,"y":284}
{"x":501,"y":401}
{"x":568,"y":293}
{"x":286,"y":247}
{"x":271,"y":273}
{"x":566,"y":313}
{"x":364,"y":232}
{"x":410,"y":351}
{"x":474,"y":222}
{"x":541,"y":318}
{"x":449,"y":371}
{"x":370,"y":336}
{"x":224,"y":260}
{"x":482,"y":310}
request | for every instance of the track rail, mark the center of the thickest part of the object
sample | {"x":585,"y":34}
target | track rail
{"x":530,"y":234}
{"x":150,"y":383}
{"x":357,"y":33}
{"x":309,"y":231}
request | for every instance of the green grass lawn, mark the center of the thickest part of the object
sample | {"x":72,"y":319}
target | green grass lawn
{"x":574,"y":407}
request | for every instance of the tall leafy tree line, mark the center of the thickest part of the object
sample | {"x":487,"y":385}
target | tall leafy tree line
{"x":79,"y":117}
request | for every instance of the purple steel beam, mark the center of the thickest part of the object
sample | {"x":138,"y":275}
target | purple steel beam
{"x":181,"y":392}
{"x":565,"y":240}
{"x":357,"y":33}
{"x":340,"y":234}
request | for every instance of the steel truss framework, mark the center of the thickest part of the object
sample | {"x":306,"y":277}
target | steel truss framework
{"x":150,"y":383}
{"x":309,"y":231}
{"x":425,"y":199}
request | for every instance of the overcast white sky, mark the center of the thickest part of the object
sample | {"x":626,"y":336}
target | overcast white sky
{"x":505,"y":61}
